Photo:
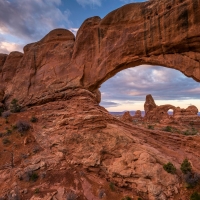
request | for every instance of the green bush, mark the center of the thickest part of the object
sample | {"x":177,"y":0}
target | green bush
{"x":37,"y":190}
{"x":33,"y":177}
{"x":112,"y":186}
{"x":169,"y":167}
{"x":6,"y":141}
{"x":193,"y":131}
{"x":127,"y":198}
{"x":151,"y":127}
{"x":186,"y":166}
{"x":14,"y":106}
{"x":13,"y":126}
{"x":195,"y":196}
{"x":167,"y":129}
{"x":34,"y":119}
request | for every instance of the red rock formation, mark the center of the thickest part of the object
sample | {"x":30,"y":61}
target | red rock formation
{"x":2,"y":60}
{"x":149,"y":104}
{"x":160,"y":113}
{"x":126,"y":117}
{"x":138,"y":114}
{"x":104,"y":47}
{"x":61,"y":75}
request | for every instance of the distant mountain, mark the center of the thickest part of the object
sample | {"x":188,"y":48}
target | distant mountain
{"x":133,"y":113}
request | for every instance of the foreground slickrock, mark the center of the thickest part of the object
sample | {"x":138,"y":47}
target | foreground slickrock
{"x":76,"y":145}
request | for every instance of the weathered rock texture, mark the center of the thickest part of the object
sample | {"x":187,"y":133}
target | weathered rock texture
{"x":57,"y":79}
{"x":162,"y":33}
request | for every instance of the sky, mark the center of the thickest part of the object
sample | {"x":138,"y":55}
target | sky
{"x":27,"y":21}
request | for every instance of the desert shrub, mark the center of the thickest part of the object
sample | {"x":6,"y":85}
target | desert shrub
{"x":37,"y":190}
{"x":6,"y":141}
{"x":14,"y":126}
{"x":8,"y":132}
{"x":33,"y":176}
{"x":22,"y":126}
{"x":6,"y":114}
{"x":191,"y":123}
{"x":167,"y":129}
{"x":139,"y":198}
{"x":24,"y":156}
{"x":29,"y":176}
{"x":101,"y":193}
{"x":151,"y":127}
{"x":71,"y":196}
{"x":36,"y":149}
{"x":191,"y":179}
{"x":112,"y":186}
{"x":34,"y":119}
{"x":1,"y":110}
{"x":195,"y":196}
{"x":14,"y":106}
{"x":170,"y":168}
{"x":186,"y":132}
{"x":127,"y":198}
{"x":193,"y":131}
{"x":186,"y":166}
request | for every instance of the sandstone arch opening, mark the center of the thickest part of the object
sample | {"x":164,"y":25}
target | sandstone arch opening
{"x":127,"y":89}
{"x":170,"y":112}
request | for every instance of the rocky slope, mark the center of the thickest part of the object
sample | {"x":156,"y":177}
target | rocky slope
{"x":76,"y":145}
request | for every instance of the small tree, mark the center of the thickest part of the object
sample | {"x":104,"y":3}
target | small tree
{"x":168,"y":129}
{"x":14,"y":106}
{"x":34,"y":119}
{"x":169,"y":167}
{"x":186,"y":166}
{"x":151,"y":127}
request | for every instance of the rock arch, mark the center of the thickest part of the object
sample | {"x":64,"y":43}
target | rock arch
{"x":165,"y":33}
{"x":156,"y":32}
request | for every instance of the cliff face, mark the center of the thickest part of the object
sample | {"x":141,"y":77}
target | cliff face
{"x":57,"y":80}
{"x":162,"y":33}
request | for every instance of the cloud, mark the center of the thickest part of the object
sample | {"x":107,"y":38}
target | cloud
{"x":89,"y":2}
{"x":163,"y":83}
{"x":74,"y":30}
{"x":7,"y":47}
{"x":108,"y":104}
{"x":31,"y":19}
